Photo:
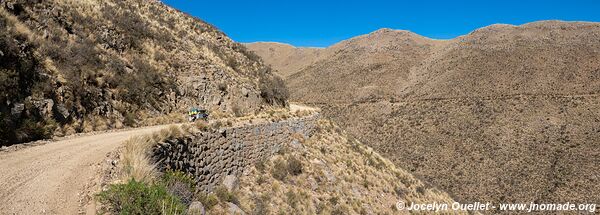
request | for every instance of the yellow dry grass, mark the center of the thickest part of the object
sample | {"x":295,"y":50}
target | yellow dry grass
{"x":339,"y":176}
{"x":135,"y":156}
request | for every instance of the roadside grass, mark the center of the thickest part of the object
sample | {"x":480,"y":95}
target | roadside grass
{"x":141,"y":187}
{"x":135,"y":156}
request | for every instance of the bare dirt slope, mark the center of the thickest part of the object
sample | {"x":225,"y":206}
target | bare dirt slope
{"x":50,"y":179}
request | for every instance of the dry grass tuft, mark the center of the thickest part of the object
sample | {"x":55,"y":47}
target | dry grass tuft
{"x":136,"y":160}
{"x":135,"y":156}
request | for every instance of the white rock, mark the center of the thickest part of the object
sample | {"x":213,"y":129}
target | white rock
{"x":231,"y":182}
{"x":196,"y":208}
{"x":234,"y":209}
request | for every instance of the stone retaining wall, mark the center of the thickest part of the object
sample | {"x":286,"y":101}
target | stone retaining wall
{"x":211,"y":155}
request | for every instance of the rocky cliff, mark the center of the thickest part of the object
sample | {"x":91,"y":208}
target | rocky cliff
{"x":75,"y":66}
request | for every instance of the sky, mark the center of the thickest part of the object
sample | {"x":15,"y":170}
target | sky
{"x":314,"y":23}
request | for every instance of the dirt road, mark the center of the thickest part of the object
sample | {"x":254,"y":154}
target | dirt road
{"x":50,"y":178}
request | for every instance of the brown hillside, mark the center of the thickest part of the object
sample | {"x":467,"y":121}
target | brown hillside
{"x":363,"y":68}
{"x":538,"y":58}
{"x":74,"y":66}
{"x":285,"y":58}
{"x":504,"y":114}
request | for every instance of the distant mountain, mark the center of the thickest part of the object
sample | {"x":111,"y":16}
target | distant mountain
{"x":364,"y":67}
{"x":505,"y":114}
{"x":549,"y":57}
{"x":285,"y":58}
{"x":75,"y":66}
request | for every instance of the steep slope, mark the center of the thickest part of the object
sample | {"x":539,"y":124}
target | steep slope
{"x":332,"y":173}
{"x":285,"y":58}
{"x":72,"y":66}
{"x":549,"y":57}
{"x":262,"y":169}
{"x":503,"y":114}
{"x":362,"y":68}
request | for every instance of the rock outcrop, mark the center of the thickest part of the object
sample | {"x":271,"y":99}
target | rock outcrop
{"x":76,"y":66}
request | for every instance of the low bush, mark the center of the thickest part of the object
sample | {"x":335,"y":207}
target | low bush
{"x":272,"y":88}
{"x":208,"y":200}
{"x":237,"y":110}
{"x":292,"y":199}
{"x":279,"y":170}
{"x":201,"y":125}
{"x":179,"y":184}
{"x":225,"y":196}
{"x":129,"y":119}
{"x":261,"y":165}
{"x":140,"y":198}
{"x":261,"y":205}
{"x":294,"y":166}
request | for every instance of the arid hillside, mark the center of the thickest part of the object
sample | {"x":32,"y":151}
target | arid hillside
{"x":504,"y":114}
{"x":76,"y":66}
{"x":327,"y":172}
{"x":285,"y":58}
{"x":541,"y":58}
{"x":365,"y":67}
{"x":332,"y":173}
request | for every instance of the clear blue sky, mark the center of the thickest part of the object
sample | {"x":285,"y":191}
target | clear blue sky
{"x":325,"y":22}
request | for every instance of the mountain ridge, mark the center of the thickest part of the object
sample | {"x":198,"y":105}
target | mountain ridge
{"x":506,"y":109}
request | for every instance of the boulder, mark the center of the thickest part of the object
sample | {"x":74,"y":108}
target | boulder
{"x":234,"y":209}
{"x":62,"y":111}
{"x":231,"y":182}
{"x":17,"y":109}
{"x":45,"y":106}
{"x":196,"y":208}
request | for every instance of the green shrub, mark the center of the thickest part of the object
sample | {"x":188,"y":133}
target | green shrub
{"x":179,"y":184}
{"x":140,"y":198}
{"x":31,"y":130}
{"x":170,"y":177}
